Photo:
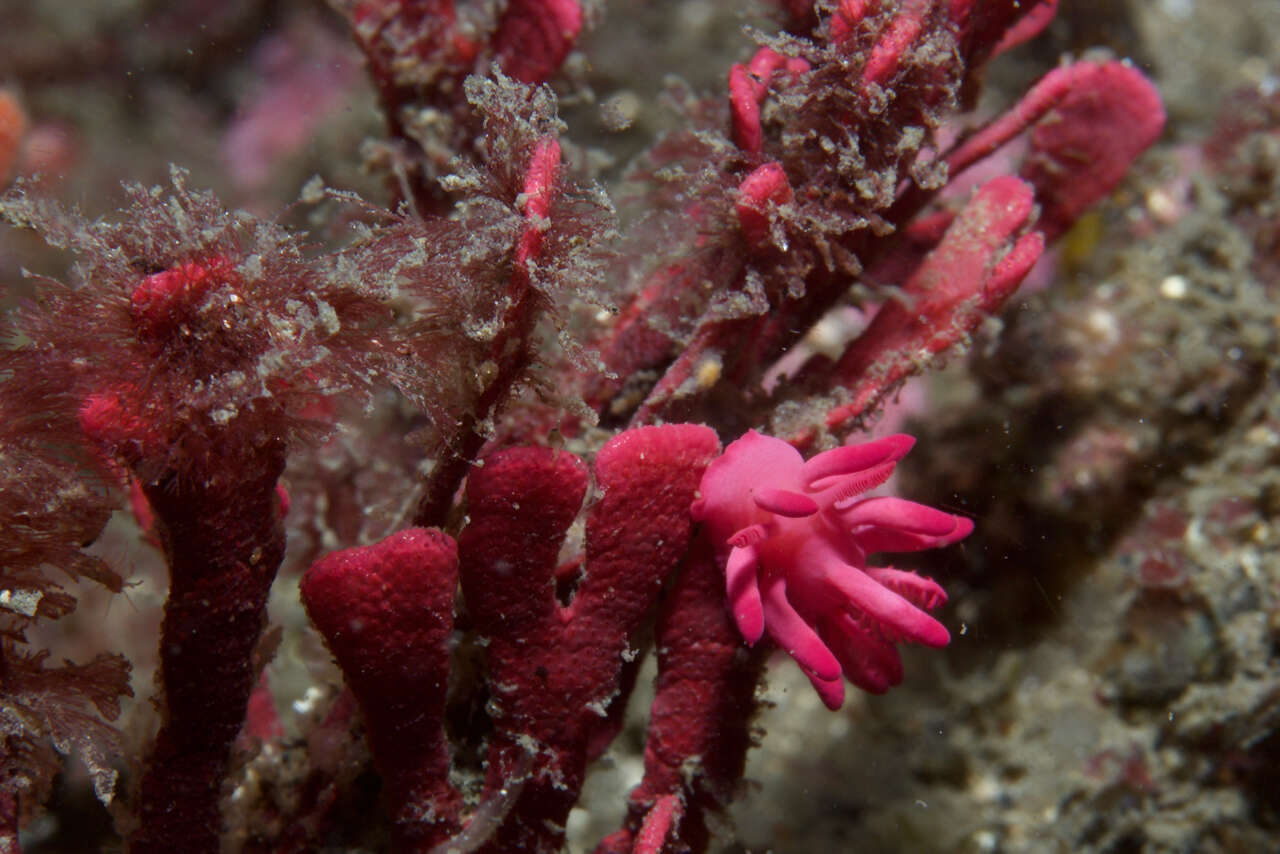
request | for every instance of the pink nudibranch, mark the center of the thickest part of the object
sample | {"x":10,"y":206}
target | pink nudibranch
{"x":793,"y":538}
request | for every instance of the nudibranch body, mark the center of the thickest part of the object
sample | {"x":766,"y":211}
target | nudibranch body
{"x":793,"y":538}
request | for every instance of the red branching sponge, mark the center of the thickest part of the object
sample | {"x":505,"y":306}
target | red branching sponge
{"x":555,"y":669}
{"x":700,"y":720}
{"x":983,"y":257}
{"x":195,"y":379}
{"x":558,"y":674}
{"x":762,"y":191}
{"x":748,"y":85}
{"x":223,"y":543}
{"x":509,"y":357}
{"x":386,"y":612}
{"x":535,"y":36}
{"x":1105,"y":116}
{"x":421,"y":51}
{"x":208,"y":466}
{"x":835,"y":172}
{"x":13,"y":123}
{"x":794,"y":537}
